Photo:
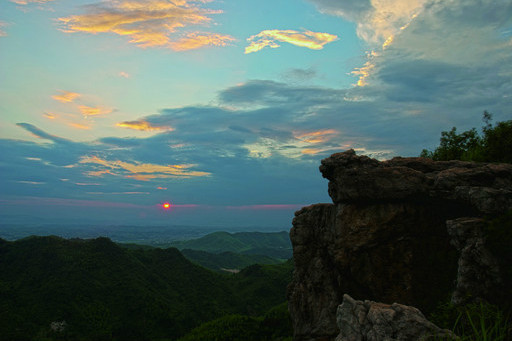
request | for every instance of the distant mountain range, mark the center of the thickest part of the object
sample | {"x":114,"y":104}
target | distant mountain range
{"x":275,"y":245}
{"x":231,"y":252}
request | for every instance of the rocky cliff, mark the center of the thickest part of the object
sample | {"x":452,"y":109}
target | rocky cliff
{"x":385,"y":237}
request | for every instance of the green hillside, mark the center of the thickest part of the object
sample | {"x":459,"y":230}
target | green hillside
{"x":107,"y":292}
{"x":275,"y":325}
{"x":276,"y":245}
{"x":226,"y":261}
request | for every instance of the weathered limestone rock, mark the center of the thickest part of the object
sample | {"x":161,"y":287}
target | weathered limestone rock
{"x":352,"y":178}
{"x":371,"y":321}
{"x":478,"y":273}
{"x":384,"y":238}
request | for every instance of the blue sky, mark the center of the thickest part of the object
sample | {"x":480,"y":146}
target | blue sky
{"x":225,"y":108}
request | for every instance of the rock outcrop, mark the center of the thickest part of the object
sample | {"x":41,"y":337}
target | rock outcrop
{"x":478,"y":273}
{"x":371,"y":321}
{"x":384,"y":238}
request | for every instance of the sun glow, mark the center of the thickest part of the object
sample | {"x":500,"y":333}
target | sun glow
{"x":166,"y":205}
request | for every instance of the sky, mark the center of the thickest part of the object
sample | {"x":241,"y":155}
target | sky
{"x":225,"y":108}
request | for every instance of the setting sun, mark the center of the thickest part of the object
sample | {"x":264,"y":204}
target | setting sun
{"x":166,"y":205}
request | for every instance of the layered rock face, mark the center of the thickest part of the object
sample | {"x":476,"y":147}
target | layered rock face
{"x":384,"y":238}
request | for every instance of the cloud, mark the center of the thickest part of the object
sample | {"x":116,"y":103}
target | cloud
{"x":308,"y":39}
{"x":79,"y":126}
{"x":316,"y":136}
{"x":42,"y":134}
{"x":149,"y":23}
{"x":266,"y":207}
{"x":26,"y":2}
{"x":31,"y":182}
{"x":298,"y":75}
{"x":196,"y":40}
{"x":124,"y":74}
{"x":92,"y":111}
{"x":142,"y":171}
{"x":143,"y":126}
{"x":50,"y":116}
{"x":2,"y":32}
{"x":66,"y":96}
{"x":376,"y":20}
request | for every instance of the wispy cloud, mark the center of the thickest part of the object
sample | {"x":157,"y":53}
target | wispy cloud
{"x":92,"y":111}
{"x":50,"y":116}
{"x":42,"y":134}
{"x":45,"y":201}
{"x":143,"y":126}
{"x":26,"y":2}
{"x":119,"y":193}
{"x":79,"y":126}
{"x":124,"y":74}
{"x":31,"y":182}
{"x":2,"y":32}
{"x":66,"y":96}
{"x":196,"y":40}
{"x":149,"y":23}
{"x":269,"y":38}
{"x":319,"y":136}
{"x":266,"y":207}
{"x":143,"y":171}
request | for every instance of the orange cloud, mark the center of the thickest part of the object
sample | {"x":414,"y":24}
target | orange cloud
{"x":124,"y":74}
{"x":148,"y":23}
{"x":100,"y":172}
{"x":91,"y":111}
{"x":365,"y":71}
{"x":50,"y":115}
{"x":309,"y":39}
{"x":196,"y":40}
{"x":142,"y":125}
{"x":66,"y":96}
{"x":26,"y":2}
{"x":316,"y":136}
{"x":79,"y":126}
{"x":143,"y":171}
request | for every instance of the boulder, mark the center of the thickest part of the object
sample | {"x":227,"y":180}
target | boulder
{"x":371,"y":321}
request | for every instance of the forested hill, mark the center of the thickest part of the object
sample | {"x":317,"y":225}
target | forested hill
{"x":104,"y":291}
{"x":275,"y":244}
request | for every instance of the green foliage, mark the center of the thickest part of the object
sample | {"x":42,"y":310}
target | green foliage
{"x":227,"y":328}
{"x":262,"y":286}
{"x":474,"y":322}
{"x":494,"y":145}
{"x":483,"y":320}
{"x":497,"y":144}
{"x":226,"y":260}
{"x":273,"y":326}
{"x":107,"y":292}
{"x":499,"y":240}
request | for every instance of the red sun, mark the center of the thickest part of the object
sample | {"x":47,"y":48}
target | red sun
{"x":166,"y":205}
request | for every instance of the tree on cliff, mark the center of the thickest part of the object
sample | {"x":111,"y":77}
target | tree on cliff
{"x":493,"y":145}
